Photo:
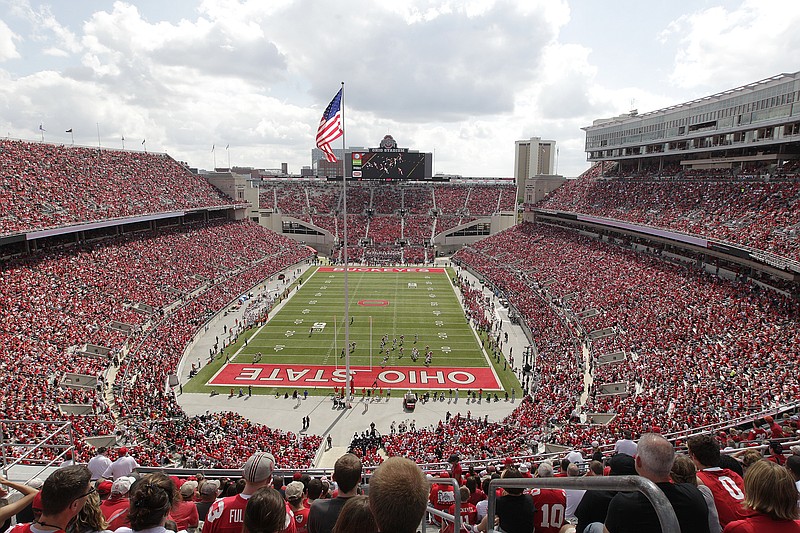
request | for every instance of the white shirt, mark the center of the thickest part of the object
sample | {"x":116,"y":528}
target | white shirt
{"x":625,"y":446}
{"x":97,"y":465}
{"x":121,"y":467}
{"x":575,"y":457}
{"x":574,"y":497}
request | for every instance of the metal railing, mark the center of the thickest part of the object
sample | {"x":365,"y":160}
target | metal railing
{"x":662,"y":506}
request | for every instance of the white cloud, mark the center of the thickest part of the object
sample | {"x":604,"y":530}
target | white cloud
{"x":724,"y":48}
{"x":8,"y":49}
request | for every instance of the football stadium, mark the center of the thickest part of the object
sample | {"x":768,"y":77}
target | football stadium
{"x":182,"y":321}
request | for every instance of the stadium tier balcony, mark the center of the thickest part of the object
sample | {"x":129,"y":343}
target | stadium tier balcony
{"x":741,"y":210}
{"x":45,"y":186}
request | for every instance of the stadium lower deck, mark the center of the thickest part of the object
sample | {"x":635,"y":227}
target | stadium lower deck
{"x":340,"y":424}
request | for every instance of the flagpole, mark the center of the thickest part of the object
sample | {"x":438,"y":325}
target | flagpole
{"x":346,"y":287}
{"x":98,"y":134}
{"x":123,"y":141}
{"x":72,"y":136}
{"x":227,"y":150}
{"x":215,"y":156}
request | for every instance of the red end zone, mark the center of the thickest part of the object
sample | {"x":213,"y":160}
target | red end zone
{"x":390,"y":270}
{"x":411,"y":377}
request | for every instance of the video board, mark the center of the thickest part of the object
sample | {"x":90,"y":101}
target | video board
{"x":390,"y":165}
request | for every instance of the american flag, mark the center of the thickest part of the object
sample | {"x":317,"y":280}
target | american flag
{"x":330,"y":126}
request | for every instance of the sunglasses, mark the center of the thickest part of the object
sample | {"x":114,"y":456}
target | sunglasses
{"x":91,"y":491}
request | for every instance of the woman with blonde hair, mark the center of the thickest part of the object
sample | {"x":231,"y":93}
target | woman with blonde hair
{"x":90,"y":518}
{"x":771,"y":493}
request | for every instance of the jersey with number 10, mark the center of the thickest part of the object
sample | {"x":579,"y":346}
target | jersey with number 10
{"x":551,"y":505}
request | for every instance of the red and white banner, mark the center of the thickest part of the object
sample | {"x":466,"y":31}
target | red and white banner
{"x":389,"y":270}
{"x":301,"y":376}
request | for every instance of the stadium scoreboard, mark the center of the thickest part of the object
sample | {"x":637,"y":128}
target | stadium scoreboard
{"x":389,"y":163}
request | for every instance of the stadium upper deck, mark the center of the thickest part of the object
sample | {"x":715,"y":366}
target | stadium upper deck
{"x":44,"y":186}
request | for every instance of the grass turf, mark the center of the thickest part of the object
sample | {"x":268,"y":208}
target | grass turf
{"x":421,"y":304}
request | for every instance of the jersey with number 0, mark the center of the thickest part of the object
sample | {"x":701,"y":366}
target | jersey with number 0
{"x":727,"y":488}
{"x":551,"y":505}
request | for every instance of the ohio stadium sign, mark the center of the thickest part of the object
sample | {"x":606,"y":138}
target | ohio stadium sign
{"x":301,"y":376}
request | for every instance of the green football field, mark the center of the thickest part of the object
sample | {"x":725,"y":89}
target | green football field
{"x":410,"y":309}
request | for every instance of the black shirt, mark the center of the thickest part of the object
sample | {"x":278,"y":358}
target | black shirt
{"x":516,"y":513}
{"x":632,"y":511}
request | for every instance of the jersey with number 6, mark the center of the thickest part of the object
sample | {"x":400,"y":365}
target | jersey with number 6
{"x":727,"y":488}
{"x":551,"y":505}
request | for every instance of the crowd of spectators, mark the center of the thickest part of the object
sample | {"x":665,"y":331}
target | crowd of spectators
{"x":74,"y":298}
{"x":392,"y":211}
{"x":742,"y":210}
{"x":45,"y":185}
{"x":732,"y":336}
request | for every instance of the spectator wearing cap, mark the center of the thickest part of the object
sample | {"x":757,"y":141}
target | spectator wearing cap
{"x":776,"y":431}
{"x":514,"y":510}
{"x":68,"y":460}
{"x":208,"y":490}
{"x":31,"y":512}
{"x":226,"y":515}
{"x":398,"y":495}
{"x":455,"y":468}
{"x":594,"y":504}
{"x":347,"y":475}
{"x":115,"y":508}
{"x":64,"y":494}
{"x":525,"y":470}
{"x":294,"y":495}
{"x":28,"y":494}
{"x":184,"y":511}
{"x":98,"y":464}
{"x":123,"y":466}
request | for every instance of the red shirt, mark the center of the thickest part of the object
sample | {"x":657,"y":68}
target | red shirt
{"x":301,"y":520}
{"x":185,"y":515}
{"x":226,"y":515}
{"x":760,"y":523}
{"x":551,"y":505}
{"x":441,"y":497}
{"x":727,"y":488}
{"x":469,"y":516}
{"x":115,"y":510}
{"x":30,"y":528}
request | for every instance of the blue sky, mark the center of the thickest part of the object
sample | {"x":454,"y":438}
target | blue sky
{"x":464,"y":78}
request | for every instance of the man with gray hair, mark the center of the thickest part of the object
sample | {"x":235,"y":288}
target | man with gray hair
{"x":550,"y":504}
{"x":632,"y":511}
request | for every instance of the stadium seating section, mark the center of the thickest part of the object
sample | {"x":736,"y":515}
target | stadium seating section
{"x":731,"y":338}
{"x":44,"y":186}
{"x":746,"y":209}
{"x":386,"y":213}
